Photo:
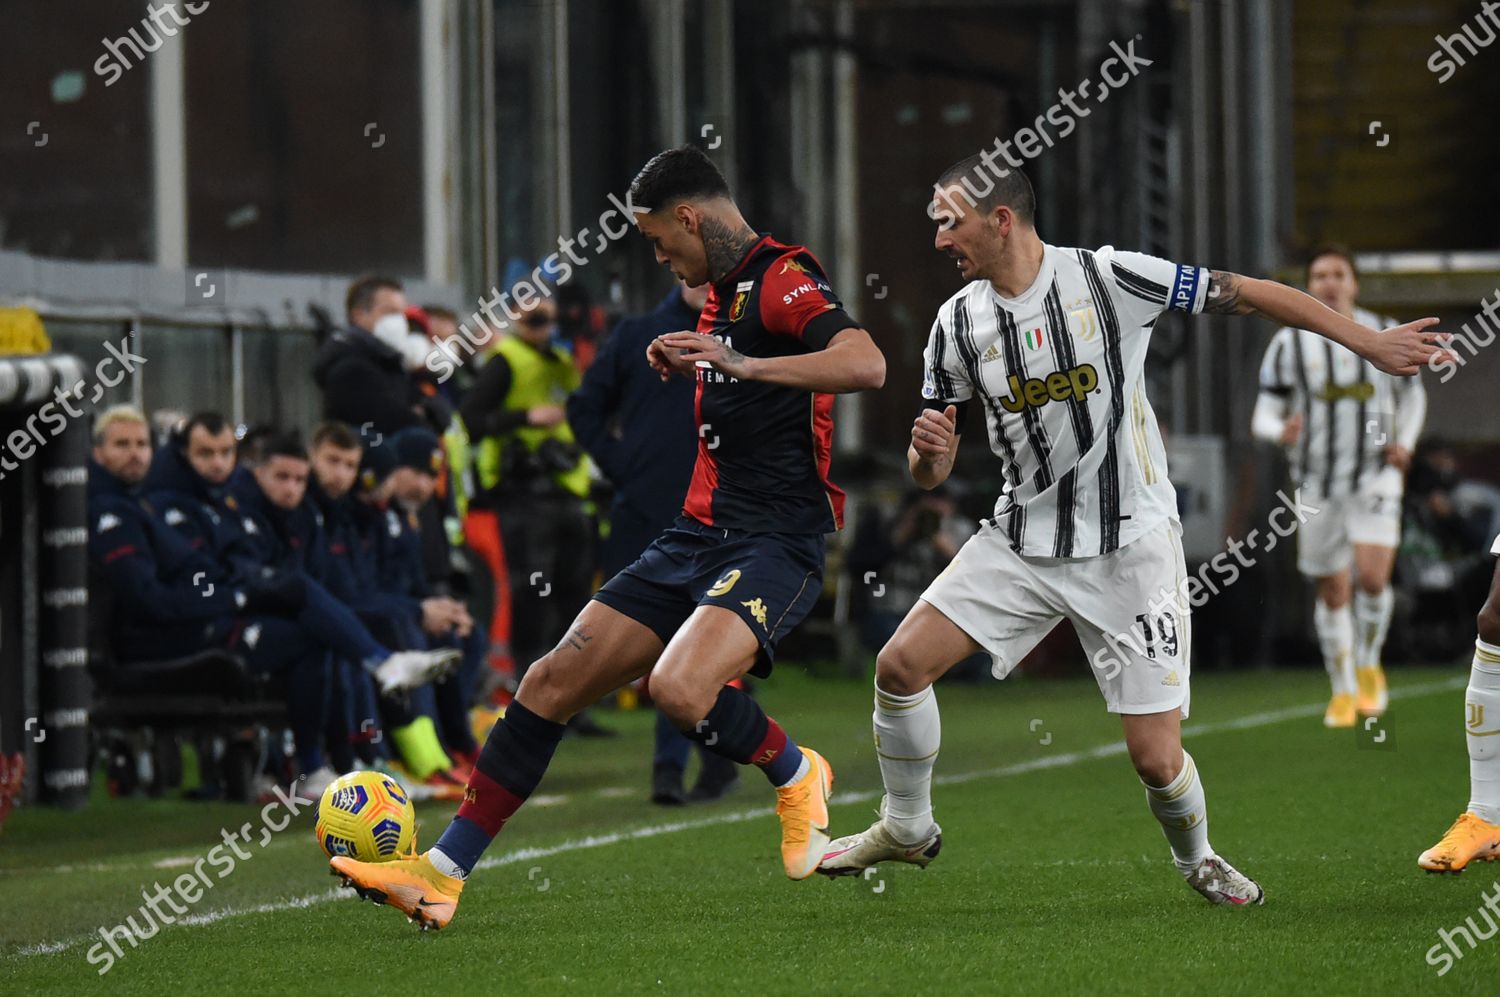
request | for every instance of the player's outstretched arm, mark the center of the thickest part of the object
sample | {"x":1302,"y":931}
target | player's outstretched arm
{"x":850,"y":362}
{"x":934,"y":446}
{"x":1401,"y":350}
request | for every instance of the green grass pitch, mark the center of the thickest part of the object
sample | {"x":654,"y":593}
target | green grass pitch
{"x":1053,"y":876}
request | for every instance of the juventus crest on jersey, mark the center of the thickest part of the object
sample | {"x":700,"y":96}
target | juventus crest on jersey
{"x":1059,"y":371}
{"x":1349,"y":409}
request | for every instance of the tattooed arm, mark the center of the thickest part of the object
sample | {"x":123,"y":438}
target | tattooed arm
{"x":1399,"y":350}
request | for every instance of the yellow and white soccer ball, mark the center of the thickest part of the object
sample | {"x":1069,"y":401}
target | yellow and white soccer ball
{"x":366,"y":816}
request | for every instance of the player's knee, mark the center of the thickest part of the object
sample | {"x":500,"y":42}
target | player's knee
{"x":1489,"y":623}
{"x":1371,"y":581}
{"x":1157,"y":765}
{"x":898,"y":672}
{"x":679,"y":701}
{"x":1334,"y":592}
{"x":543,"y":693}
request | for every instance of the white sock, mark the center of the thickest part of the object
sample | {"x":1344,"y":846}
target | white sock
{"x":1372,"y":619}
{"x":445,"y":865}
{"x":907,"y":735}
{"x":801,"y":773}
{"x":1482,"y":730}
{"x":1336,"y":636}
{"x":1183,"y":814}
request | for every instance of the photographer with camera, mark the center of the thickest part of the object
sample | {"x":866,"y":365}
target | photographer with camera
{"x":532,"y":473}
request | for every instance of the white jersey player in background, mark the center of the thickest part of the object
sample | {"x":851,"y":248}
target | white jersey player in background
{"x":1349,"y":431}
{"x":1051,"y":344}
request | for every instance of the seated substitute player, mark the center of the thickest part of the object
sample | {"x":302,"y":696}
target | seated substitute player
{"x":1051,"y":344}
{"x":710,"y":599}
{"x":1476,"y":833}
{"x":1349,"y":431}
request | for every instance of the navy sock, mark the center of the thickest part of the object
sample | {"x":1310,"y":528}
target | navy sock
{"x":738,"y":729}
{"x":514,"y":758}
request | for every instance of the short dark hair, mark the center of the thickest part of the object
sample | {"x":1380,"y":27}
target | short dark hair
{"x":211,"y":423}
{"x":986,"y":189}
{"x":335,"y":434}
{"x":441,"y":311}
{"x":675,"y":175}
{"x":361,"y":294}
{"x":277,"y":443}
{"x":1338,"y":249}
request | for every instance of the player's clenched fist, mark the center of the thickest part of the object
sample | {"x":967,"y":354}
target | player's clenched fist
{"x":932,"y":433}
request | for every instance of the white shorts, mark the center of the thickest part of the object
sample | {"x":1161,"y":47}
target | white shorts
{"x":1127,"y":608}
{"x":1495,"y":547}
{"x":1325,"y":542}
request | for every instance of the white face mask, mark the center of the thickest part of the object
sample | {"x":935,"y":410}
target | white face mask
{"x":392,"y":330}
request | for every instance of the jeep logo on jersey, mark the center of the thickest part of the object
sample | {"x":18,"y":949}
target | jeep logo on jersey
{"x":1362,"y":391}
{"x":1055,"y":387}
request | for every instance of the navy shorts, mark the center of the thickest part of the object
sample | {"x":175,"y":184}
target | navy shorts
{"x":770,"y":580}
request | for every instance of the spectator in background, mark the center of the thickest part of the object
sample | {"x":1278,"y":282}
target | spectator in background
{"x":530,"y":470}
{"x":442,"y":325}
{"x":643,"y":435}
{"x":580,"y":323}
{"x":375,"y":568}
{"x":893,"y":561}
{"x":163,"y":606}
{"x":1443,"y":564}
{"x":364,"y":379}
{"x":189,"y":490}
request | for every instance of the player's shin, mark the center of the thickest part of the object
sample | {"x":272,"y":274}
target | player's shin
{"x":1482,"y":730}
{"x":1180,"y":808}
{"x":908,"y":732}
{"x":738,"y":729}
{"x":514,"y":758}
{"x":1335,"y":629}
{"x":1372,"y":620}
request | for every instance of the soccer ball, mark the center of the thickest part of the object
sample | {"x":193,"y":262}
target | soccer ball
{"x":366,"y":816}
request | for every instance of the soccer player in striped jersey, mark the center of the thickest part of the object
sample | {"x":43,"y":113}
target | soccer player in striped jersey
{"x":1349,"y":431}
{"x":1050,"y":344}
{"x":1476,"y":833}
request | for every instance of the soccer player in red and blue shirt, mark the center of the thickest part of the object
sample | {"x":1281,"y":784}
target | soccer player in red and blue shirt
{"x":709,"y":600}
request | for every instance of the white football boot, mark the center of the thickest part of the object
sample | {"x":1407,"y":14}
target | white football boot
{"x":1222,"y":883}
{"x":851,"y":855}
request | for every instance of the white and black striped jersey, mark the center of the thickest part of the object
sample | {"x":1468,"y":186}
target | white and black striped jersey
{"x":1060,"y":373}
{"x":1350,"y":410}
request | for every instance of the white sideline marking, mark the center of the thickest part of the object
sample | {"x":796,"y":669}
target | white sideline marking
{"x":1246,"y":722}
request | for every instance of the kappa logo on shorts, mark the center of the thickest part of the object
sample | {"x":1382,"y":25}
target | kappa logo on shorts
{"x":725,"y":582}
{"x":757,"y":609}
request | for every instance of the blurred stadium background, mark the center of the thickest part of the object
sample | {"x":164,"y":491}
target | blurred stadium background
{"x":212,"y":203}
